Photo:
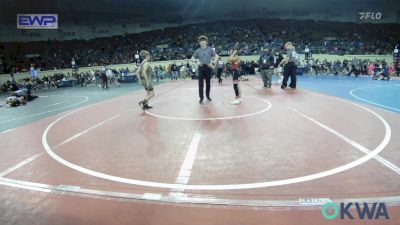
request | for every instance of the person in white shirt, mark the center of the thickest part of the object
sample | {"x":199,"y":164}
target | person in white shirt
{"x":73,"y":65}
{"x":32,"y":71}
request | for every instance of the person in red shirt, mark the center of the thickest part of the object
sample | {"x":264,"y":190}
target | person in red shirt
{"x":370,"y":69}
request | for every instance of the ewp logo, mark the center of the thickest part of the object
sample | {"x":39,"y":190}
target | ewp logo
{"x":330,"y":211}
{"x":37,"y":21}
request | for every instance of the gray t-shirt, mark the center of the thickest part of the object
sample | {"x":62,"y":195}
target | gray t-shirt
{"x":204,"y":55}
{"x":293,"y":56}
{"x":220,"y":64}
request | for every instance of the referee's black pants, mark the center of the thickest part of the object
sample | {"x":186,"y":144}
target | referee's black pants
{"x":289,"y":70}
{"x":204,"y":74}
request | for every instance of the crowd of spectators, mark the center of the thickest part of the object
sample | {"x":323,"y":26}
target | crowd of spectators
{"x":179,"y":43}
{"x":102,"y":77}
{"x":355,"y":66}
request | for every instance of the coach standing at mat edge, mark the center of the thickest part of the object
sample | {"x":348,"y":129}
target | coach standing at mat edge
{"x":205,"y":54}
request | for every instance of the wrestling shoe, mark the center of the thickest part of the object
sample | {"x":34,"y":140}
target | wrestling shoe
{"x":146,"y":107}
{"x":141,"y":104}
{"x":235,"y":102}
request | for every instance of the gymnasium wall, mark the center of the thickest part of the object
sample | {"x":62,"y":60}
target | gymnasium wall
{"x":387,"y":58}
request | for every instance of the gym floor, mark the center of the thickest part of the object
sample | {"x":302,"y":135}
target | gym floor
{"x":92,"y":156}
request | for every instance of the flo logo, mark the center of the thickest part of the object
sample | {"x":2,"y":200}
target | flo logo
{"x":364,"y":211}
{"x":370,"y":15}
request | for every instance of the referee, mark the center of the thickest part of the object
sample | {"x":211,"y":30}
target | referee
{"x":205,"y":54}
{"x":290,"y":66}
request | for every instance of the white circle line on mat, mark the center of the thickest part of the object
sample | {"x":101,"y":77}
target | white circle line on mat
{"x":300,"y":179}
{"x":214,"y":118}
{"x":368,"y":101}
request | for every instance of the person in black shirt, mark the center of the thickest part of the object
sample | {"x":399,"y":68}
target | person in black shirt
{"x":13,"y":87}
{"x":174,"y":71}
{"x":220,"y":69}
{"x":278,"y":59}
{"x":267,"y":67}
{"x":104,"y":79}
{"x":398,"y":69}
